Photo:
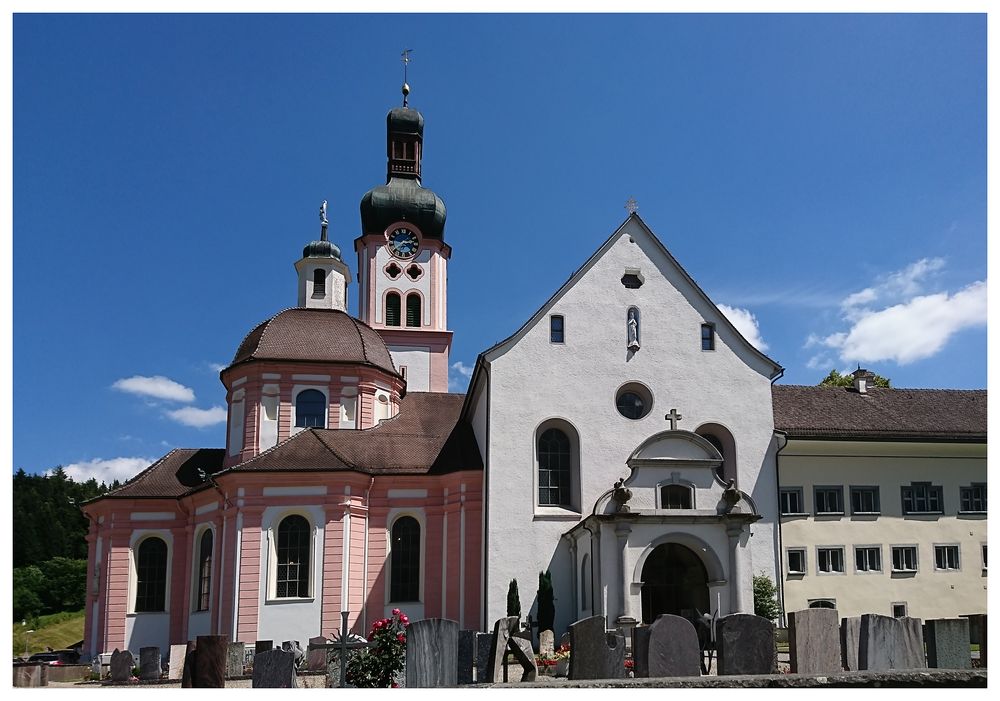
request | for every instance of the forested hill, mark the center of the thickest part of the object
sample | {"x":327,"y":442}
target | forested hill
{"x":47,"y":521}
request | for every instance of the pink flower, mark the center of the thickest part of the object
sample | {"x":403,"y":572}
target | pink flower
{"x":404,"y":619}
{"x":400,"y":637}
{"x":395,"y":612}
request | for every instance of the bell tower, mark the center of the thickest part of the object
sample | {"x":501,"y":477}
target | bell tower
{"x":403,"y":259}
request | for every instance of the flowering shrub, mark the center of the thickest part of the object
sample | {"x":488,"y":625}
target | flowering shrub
{"x":382,"y":661}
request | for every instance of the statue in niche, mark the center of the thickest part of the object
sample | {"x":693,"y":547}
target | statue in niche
{"x":633,"y":330}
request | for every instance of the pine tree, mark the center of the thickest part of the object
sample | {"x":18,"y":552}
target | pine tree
{"x":546,"y":601}
{"x":513,"y":600}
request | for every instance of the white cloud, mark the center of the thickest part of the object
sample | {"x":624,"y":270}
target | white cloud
{"x":910,"y":331}
{"x":462,"y":369}
{"x":746,"y":323}
{"x":458,"y":380}
{"x":892,"y":288}
{"x":106,"y":471}
{"x":157,"y":386}
{"x":216,"y":367}
{"x":198,"y":418}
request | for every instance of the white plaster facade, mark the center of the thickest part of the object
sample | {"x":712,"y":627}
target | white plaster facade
{"x":528,"y":380}
{"x":927,"y":592}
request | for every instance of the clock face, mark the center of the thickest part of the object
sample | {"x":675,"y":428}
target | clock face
{"x":403,"y":243}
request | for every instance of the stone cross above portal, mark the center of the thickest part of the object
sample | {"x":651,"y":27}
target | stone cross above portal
{"x":673,"y":417}
{"x":632,"y":206}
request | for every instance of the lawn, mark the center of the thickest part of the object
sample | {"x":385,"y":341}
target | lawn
{"x":58,"y":631}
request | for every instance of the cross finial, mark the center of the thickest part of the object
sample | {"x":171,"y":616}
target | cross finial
{"x":632,"y":206}
{"x":673,"y":417}
{"x":406,"y":63}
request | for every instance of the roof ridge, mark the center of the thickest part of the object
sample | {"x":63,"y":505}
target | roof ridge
{"x":144,"y":473}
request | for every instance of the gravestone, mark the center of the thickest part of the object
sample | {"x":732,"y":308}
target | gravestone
{"x":235,"y":654}
{"x":122,"y":663}
{"x":546,"y":643}
{"x":483,"y":642}
{"x":850,"y":641}
{"x":595,"y":653}
{"x":670,"y":649}
{"x":316,"y":658}
{"x":30,"y":674}
{"x":431,"y":653}
{"x":523,"y":654}
{"x":274,"y":669}
{"x":190,"y":662}
{"x":296,"y":649}
{"x":210,"y":656}
{"x":814,"y":642}
{"x":466,"y":656}
{"x":149,"y":663}
{"x":977,"y":631}
{"x":640,"y":652}
{"x":890,"y":643}
{"x":948,"y":643}
{"x":745,"y":645}
{"x":263,"y":646}
{"x":508,"y":637}
{"x":176,"y":661}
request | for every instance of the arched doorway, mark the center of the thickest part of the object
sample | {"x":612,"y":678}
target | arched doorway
{"x":675,"y":581}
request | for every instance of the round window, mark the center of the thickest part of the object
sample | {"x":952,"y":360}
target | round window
{"x":634,"y":401}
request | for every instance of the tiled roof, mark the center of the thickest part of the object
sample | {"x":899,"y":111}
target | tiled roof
{"x":893,"y":414}
{"x":172,"y":475}
{"x":426,"y":437}
{"x":315,"y":335}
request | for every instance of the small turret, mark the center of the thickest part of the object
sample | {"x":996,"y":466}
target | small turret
{"x":323,"y":274}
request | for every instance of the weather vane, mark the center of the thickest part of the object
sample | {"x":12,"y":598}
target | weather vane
{"x":632,"y":206}
{"x":406,"y":63}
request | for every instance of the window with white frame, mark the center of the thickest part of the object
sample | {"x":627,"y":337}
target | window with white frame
{"x":828,"y":500}
{"x":922,"y":498}
{"x":204,"y":593}
{"x":868,"y":558}
{"x":899,"y":609}
{"x":904,"y":558}
{"x":946,"y":557}
{"x":972,"y":499}
{"x":404,"y":560}
{"x":151,"y":576}
{"x":293,"y":548}
{"x":830,"y":560}
{"x":791,"y":501}
{"x":310,"y":409}
{"x":796,"y":561}
{"x":865,"y":500}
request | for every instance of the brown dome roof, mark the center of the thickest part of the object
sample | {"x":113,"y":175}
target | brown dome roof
{"x":315,"y":335}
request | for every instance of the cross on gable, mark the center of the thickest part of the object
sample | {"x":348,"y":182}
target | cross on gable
{"x":632,"y":206}
{"x":673,"y":417}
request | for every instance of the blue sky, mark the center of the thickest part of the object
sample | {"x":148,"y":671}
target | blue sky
{"x":823,"y":176}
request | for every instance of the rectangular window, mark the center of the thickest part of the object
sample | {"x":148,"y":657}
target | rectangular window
{"x":946,"y":557}
{"x":984,"y":557}
{"x":973,"y":499}
{"x":791,"y":501}
{"x":868,"y":558}
{"x":829,"y":500}
{"x":796,"y":561}
{"x":830,"y":560}
{"x":708,"y":337}
{"x":899,"y":609}
{"x":904,"y":558}
{"x":864,"y":500}
{"x":922,"y":498}
{"x":556,"y":329}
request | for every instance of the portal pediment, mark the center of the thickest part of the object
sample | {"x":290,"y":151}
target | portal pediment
{"x":675,"y":447}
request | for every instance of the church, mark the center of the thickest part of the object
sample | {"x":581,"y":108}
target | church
{"x":626,"y":438}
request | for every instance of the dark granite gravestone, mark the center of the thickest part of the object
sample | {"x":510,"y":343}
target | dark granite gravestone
{"x":745,"y":645}
{"x":190,"y":662}
{"x":274,"y":669}
{"x":595,"y":653}
{"x":466,"y":656}
{"x":176,"y":661}
{"x":431,"y":653}
{"x":149,"y":663}
{"x":890,"y":643}
{"x":483,"y":642}
{"x":814,"y":641}
{"x":316,"y":658}
{"x":640,"y":652}
{"x":977,"y":634}
{"x":122,"y":664}
{"x":210,"y":662}
{"x":850,"y":641}
{"x":948,"y":643}
{"x":235,"y":654}
{"x":263,"y":646}
{"x":670,"y":649}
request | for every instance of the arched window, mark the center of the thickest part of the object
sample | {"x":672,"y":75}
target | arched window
{"x":151,"y":576}
{"x":553,"y":468}
{"x":310,"y":409}
{"x":319,"y":282}
{"x":413,"y":310}
{"x":205,"y":570}
{"x":392,"y":309}
{"x":404,"y":565}
{"x":293,"y":546}
{"x":822,"y":604}
{"x":675,"y":496}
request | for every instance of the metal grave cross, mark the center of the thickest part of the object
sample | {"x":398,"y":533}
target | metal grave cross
{"x":673,"y":417}
{"x":342,"y":645}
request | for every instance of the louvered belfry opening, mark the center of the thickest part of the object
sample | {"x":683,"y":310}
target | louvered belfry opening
{"x":413,"y":310}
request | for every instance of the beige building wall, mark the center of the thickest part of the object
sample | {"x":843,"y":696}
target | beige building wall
{"x":928,"y":592}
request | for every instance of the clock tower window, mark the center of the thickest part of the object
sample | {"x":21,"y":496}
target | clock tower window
{"x":392,"y":309}
{"x":413,"y":309}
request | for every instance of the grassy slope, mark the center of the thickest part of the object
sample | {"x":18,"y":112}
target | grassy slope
{"x":57,"y":631}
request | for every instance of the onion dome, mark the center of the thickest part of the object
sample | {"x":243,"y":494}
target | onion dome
{"x":321,"y":249}
{"x":318,"y":336}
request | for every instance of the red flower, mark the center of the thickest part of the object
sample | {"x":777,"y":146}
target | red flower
{"x":400,"y":637}
{"x":395,"y":612}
